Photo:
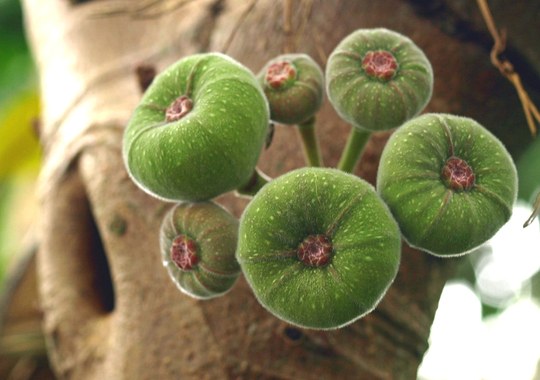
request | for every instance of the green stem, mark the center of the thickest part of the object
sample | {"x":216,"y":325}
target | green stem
{"x":353,"y":150}
{"x":310,"y":144}
{"x":255,"y":183}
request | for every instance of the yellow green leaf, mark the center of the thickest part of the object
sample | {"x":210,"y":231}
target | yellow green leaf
{"x":19,"y":146}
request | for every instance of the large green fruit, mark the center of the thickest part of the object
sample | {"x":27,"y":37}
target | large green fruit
{"x":318,"y":247}
{"x":449,"y":182}
{"x":377,"y":79}
{"x":198,"y":244}
{"x":198,"y":130}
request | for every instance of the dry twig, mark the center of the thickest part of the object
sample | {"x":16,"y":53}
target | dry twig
{"x":507,"y":69}
{"x":536,"y":211}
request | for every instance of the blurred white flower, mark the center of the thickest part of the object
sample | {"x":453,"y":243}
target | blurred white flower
{"x":509,"y":259}
{"x":503,"y":346}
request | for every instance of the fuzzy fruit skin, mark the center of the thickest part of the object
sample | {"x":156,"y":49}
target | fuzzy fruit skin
{"x":433,"y":216}
{"x":313,"y":201}
{"x":215,"y":233}
{"x":210,"y":150}
{"x":369,"y":102}
{"x":300,"y":98}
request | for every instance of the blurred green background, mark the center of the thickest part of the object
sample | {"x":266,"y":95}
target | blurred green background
{"x":19,"y":147}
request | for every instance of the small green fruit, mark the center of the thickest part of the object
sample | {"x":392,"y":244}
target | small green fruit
{"x":294,"y":86}
{"x":198,"y":244}
{"x":198,"y":130}
{"x":449,"y":182}
{"x":318,"y":247}
{"x":377,"y":79}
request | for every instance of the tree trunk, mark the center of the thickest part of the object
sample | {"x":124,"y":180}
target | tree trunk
{"x":110,"y":310}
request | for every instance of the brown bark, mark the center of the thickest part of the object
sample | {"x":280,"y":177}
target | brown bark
{"x":110,"y":311}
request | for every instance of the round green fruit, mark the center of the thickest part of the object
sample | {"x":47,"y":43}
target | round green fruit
{"x":449,"y":183}
{"x":294,"y":87}
{"x":198,"y":244}
{"x":198,"y":130}
{"x":377,"y":79}
{"x":318,"y":247}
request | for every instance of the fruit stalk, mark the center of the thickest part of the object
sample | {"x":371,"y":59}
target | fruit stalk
{"x":255,"y":183}
{"x":310,"y":143}
{"x":353,"y":149}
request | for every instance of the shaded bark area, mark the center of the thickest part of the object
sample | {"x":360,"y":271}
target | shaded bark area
{"x":109,"y":308}
{"x":22,"y":345}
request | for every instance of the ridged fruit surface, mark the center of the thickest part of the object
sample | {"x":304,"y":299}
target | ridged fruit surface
{"x":448,"y":181}
{"x":210,"y":234}
{"x":318,"y":247}
{"x":294,"y":87}
{"x":377,"y":79}
{"x":198,"y":130}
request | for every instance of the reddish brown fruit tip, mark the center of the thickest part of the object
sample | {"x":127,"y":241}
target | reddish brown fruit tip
{"x":457,"y":174}
{"x":279,"y":74}
{"x":380,"y":64}
{"x":179,"y":108}
{"x":315,"y":250}
{"x":184,"y":252}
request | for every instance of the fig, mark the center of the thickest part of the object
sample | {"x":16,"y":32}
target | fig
{"x":318,"y":247}
{"x":376,"y":79}
{"x":198,"y":244}
{"x":294,"y":87}
{"x":449,"y":182}
{"x":198,"y":130}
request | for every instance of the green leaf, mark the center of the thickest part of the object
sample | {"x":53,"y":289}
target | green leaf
{"x":19,"y":147}
{"x":16,"y":67}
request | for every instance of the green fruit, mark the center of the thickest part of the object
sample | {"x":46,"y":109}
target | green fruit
{"x":198,"y":130}
{"x":449,"y":183}
{"x":318,"y":247}
{"x":198,"y":244}
{"x":294,"y":86}
{"x":377,"y":79}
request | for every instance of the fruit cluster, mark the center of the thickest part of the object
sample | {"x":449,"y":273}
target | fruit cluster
{"x":318,"y":246}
